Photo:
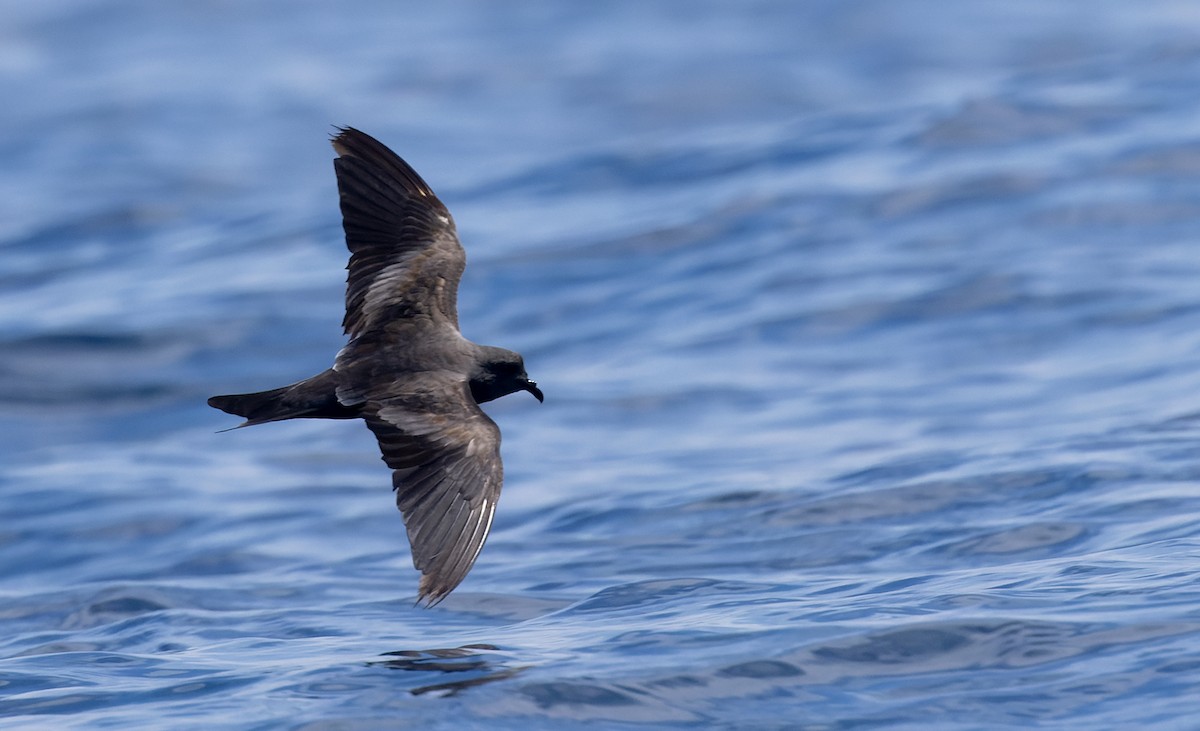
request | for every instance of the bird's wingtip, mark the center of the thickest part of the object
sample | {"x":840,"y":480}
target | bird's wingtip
{"x":429,"y":593}
{"x":338,"y":138}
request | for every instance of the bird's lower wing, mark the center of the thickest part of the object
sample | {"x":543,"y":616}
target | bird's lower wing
{"x":445,"y":456}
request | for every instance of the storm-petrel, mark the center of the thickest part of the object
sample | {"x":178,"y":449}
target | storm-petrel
{"x":406,"y":370}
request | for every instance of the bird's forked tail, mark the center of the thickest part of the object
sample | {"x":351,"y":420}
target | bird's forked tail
{"x":312,"y":398}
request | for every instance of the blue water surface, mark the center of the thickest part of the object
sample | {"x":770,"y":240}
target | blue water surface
{"x":870,"y":335}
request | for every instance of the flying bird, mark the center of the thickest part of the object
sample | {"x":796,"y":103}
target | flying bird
{"x":406,"y":370}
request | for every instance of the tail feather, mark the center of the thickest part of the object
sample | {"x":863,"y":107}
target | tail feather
{"x":312,"y":398}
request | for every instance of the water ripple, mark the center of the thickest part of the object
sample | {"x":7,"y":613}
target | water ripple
{"x":869,"y":333}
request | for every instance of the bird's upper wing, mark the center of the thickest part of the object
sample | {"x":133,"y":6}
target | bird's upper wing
{"x":445,"y":453}
{"x":405,"y":258}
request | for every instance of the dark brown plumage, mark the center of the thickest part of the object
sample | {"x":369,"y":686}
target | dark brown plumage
{"x":406,"y":370}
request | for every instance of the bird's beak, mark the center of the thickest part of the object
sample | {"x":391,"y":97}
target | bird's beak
{"x":531,"y":387}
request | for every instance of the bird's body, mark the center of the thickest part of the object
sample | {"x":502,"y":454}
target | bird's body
{"x":407,"y":370}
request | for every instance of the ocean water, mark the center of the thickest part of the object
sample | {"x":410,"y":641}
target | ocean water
{"x":869,"y":332}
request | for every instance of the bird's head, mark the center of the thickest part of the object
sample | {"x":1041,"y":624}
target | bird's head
{"x":500,"y":372}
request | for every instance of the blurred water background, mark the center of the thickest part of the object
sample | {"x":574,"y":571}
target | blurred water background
{"x":870,"y":334}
